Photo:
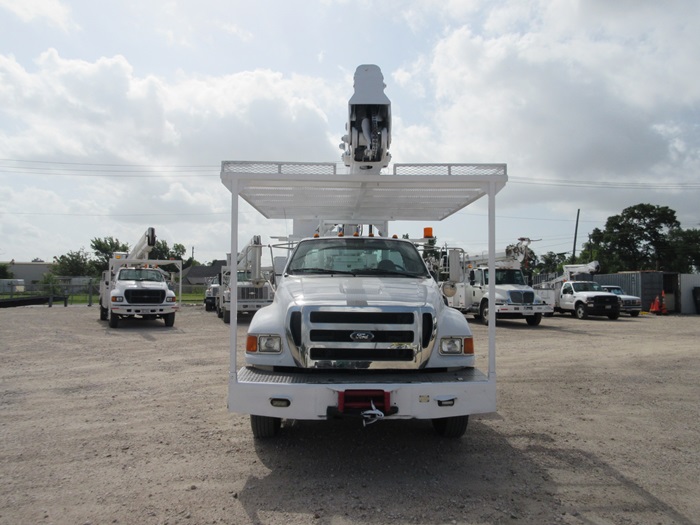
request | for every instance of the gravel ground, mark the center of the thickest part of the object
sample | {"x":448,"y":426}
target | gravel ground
{"x":598,"y":422}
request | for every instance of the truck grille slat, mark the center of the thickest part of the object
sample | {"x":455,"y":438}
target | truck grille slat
{"x":344,"y":336}
{"x":363,"y":354}
{"x":362,"y":317}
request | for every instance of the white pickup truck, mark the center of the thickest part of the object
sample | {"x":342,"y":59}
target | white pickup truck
{"x":581,"y":299}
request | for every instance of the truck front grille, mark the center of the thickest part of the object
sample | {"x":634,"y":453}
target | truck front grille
{"x":144,"y":296}
{"x":361,"y":338}
{"x":251,"y":293}
{"x":522,"y":297}
{"x":601,"y":300}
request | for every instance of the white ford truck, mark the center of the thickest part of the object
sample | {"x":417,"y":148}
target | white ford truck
{"x":468,"y":286}
{"x":358,"y":327}
{"x":135,"y":286}
{"x":580,"y":298}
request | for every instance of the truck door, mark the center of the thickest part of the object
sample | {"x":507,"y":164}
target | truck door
{"x":566,"y":297}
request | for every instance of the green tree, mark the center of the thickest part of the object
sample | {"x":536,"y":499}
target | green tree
{"x":50,"y":284}
{"x":103,"y":250}
{"x":685,"y":250}
{"x":74,"y":264}
{"x":637,"y":239}
{"x":551,"y":262}
{"x":5,"y":272}
{"x":162,"y":251}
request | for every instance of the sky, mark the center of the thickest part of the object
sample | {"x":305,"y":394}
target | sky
{"x":115,"y":115}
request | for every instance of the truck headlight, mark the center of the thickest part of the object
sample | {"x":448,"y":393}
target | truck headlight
{"x":456,"y":345}
{"x":117,"y":299}
{"x":271,"y":344}
{"x":172,"y":299}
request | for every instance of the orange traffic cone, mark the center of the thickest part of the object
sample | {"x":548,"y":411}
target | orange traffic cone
{"x":663,"y":303}
{"x":654,"y":308}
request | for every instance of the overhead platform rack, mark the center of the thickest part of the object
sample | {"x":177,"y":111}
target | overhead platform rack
{"x":426,"y":192}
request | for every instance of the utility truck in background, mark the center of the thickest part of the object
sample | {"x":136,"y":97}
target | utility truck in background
{"x":580,"y":298}
{"x":358,"y":326}
{"x":467,"y":287}
{"x":254,"y":289}
{"x":135,"y":286}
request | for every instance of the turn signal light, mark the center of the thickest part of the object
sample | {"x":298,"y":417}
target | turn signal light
{"x":468,"y":345}
{"x":251,"y":344}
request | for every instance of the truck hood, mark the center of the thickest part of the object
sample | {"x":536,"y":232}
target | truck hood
{"x":595,"y":294}
{"x":358,"y":291}
{"x":142,"y":284}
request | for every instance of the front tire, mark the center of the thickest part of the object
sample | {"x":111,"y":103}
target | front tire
{"x":451,"y":427}
{"x":227,"y":316}
{"x":104,"y":313}
{"x":534,"y":320}
{"x":264,"y":427}
{"x":113,"y":320}
{"x":581,"y":311}
{"x":484,"y":313}
{"x":169,"y":319}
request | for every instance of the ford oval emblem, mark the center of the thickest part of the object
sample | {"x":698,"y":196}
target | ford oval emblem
{"x":361,"y":336}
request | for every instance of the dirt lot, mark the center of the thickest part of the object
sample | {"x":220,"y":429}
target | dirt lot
{"x":598,"y":423}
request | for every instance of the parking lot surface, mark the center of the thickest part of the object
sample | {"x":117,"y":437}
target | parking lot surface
{"x":598,"y":422}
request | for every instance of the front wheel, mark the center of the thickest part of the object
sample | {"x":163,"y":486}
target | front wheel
{"x":484,"y":313}
{"x":451,"y":427}
{"x":113,"y":320}
{"x":264,"y":426}
{"x":169,"y":319}
{"x":104,"y":313}
{"x":534,"y":320}
{"x":581,"y":311}
{"x":227,"y":316}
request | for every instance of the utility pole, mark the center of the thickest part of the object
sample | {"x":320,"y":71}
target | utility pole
{"x":573,"y":257}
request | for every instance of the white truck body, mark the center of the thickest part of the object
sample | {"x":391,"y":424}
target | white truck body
{"x":580,"y":298}
{"x":514,"y":299}
{"x":355,"y":338}
{"x":293,"y":393}
{"x":135,"y":287}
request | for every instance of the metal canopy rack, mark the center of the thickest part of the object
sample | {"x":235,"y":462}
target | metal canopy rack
{"x":427,"y":192}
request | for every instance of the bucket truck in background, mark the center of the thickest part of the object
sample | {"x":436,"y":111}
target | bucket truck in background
{"x":253,"y":288}
{"x":580,"y":298}
{"x":136,"y":286}
{"x":467,"y":288}
{"x":358,"y":326}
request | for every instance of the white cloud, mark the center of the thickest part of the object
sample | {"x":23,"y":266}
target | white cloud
{"x":561,"y":90}
{"x":55,"y":13}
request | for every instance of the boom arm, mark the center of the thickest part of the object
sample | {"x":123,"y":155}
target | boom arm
{"x":144,"y":245}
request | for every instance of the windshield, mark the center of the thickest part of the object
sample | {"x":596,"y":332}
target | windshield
{"x":504,"y":276}
{"x":586,"y":286}
{"x":357,"y":256}
{"x":140,"y":274}
{"x":616,"y":291}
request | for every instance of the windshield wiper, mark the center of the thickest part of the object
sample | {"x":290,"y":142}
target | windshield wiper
{"x":324,"y":271}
